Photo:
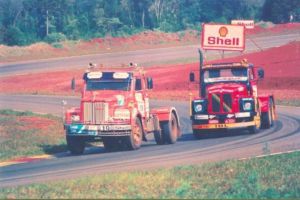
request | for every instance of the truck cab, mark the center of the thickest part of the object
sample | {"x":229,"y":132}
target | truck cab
{"x":228,"y":98}
{"x":115,"y":109}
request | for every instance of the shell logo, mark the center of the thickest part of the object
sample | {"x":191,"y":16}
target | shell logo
{"x":223,"y":31}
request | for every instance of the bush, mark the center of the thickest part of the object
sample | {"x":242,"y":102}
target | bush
{"x":55,"y":37}
{"x":166,"y":27}
{"x":57,"y":45}
{"x":14,"y":36}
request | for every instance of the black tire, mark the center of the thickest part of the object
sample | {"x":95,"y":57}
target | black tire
{"x":75,"y":144}
{"x":134,"y":141}
{"x":254,"y":129}
{"x":158,"y":136}
{"x":170,"y":130}
{"x":110,"y":143}
{"x":267,"y":117}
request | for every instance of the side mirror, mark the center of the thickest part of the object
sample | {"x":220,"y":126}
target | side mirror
{"x":149,"y":83}
{"x":261,"y":73}
{"x":73,"y":85}
{"x":192,"y":77}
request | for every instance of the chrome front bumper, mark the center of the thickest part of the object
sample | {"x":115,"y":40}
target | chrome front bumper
{"x":98,"y":130}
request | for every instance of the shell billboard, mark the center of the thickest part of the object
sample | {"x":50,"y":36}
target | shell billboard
{"x":223,"y":37}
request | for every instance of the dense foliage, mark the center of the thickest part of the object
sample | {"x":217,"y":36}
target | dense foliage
{"x":26,"y":21}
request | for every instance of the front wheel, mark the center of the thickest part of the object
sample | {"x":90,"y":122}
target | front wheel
{"x":255,"y":129}
{"x":75,"y":144}
{"x":134,"y":141}
{"x":170,"y":130}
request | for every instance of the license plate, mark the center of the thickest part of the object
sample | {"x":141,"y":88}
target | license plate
{"x":221,"y":125}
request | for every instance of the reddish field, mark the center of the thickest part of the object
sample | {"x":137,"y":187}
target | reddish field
{"x":281,"y":66}
{"x":273,"y":29}
{"x":34,"y":122}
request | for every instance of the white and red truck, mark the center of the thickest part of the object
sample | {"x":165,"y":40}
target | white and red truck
{"x":115,"y":109}
{"x":229,"y":98}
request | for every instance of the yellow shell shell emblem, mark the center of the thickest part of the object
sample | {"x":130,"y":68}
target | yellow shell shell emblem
{"x":223,"y":31}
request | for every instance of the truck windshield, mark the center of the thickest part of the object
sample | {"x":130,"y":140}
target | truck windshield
{"x":226,"y":74}
{"x":108,"y":81}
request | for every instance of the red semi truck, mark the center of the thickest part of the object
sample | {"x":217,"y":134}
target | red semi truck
{"x":228,"y":98}
{"x":115,"y":109}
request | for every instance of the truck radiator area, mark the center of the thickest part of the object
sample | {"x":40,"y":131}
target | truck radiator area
{"x":221,"y":103}
{"x":95,"y":112}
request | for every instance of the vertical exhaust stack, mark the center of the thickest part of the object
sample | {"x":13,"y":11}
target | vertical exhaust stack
{"x":201,"y":82}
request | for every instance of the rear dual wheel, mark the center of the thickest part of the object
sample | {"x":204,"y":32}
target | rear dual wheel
{"x":169,"y":131}
{"x":268,"y":117}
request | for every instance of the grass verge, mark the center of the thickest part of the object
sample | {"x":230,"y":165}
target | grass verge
{"x":25,"y":134}
{"x":274,"y":176}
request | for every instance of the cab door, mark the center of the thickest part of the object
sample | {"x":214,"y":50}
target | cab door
{"x":141,"y":98}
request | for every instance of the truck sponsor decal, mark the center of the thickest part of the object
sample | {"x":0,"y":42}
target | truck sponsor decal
{"x":93,"y":129}
{"x":220,"y":79}
{"x":120,"y":100}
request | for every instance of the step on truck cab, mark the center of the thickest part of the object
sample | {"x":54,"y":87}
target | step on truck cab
{"x":114,"y":109}
{"x":228,"y":98}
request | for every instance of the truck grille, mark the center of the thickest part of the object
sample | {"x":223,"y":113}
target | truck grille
{"x":221,"y":103}
{"x":95,"y":113}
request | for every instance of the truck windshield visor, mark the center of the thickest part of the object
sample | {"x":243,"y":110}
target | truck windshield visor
{"x":108,"y":81}
{"x":225,"y":75}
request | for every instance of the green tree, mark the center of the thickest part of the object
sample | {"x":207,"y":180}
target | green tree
{"x":14,"y":36}
{"x":279,"y":11}
{"x":30,"y":19}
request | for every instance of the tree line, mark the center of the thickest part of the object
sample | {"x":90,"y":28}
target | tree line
{"x":23,"y":22}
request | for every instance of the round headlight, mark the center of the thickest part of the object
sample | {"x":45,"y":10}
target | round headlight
{"x":247,"y":106}
{"x":198,"y":108}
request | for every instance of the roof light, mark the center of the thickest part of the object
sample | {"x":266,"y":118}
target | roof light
{"x":94,"y":75}
{"x":120,"y":75}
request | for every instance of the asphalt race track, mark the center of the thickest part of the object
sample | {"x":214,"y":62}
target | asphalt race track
{"x":282,"y":137}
